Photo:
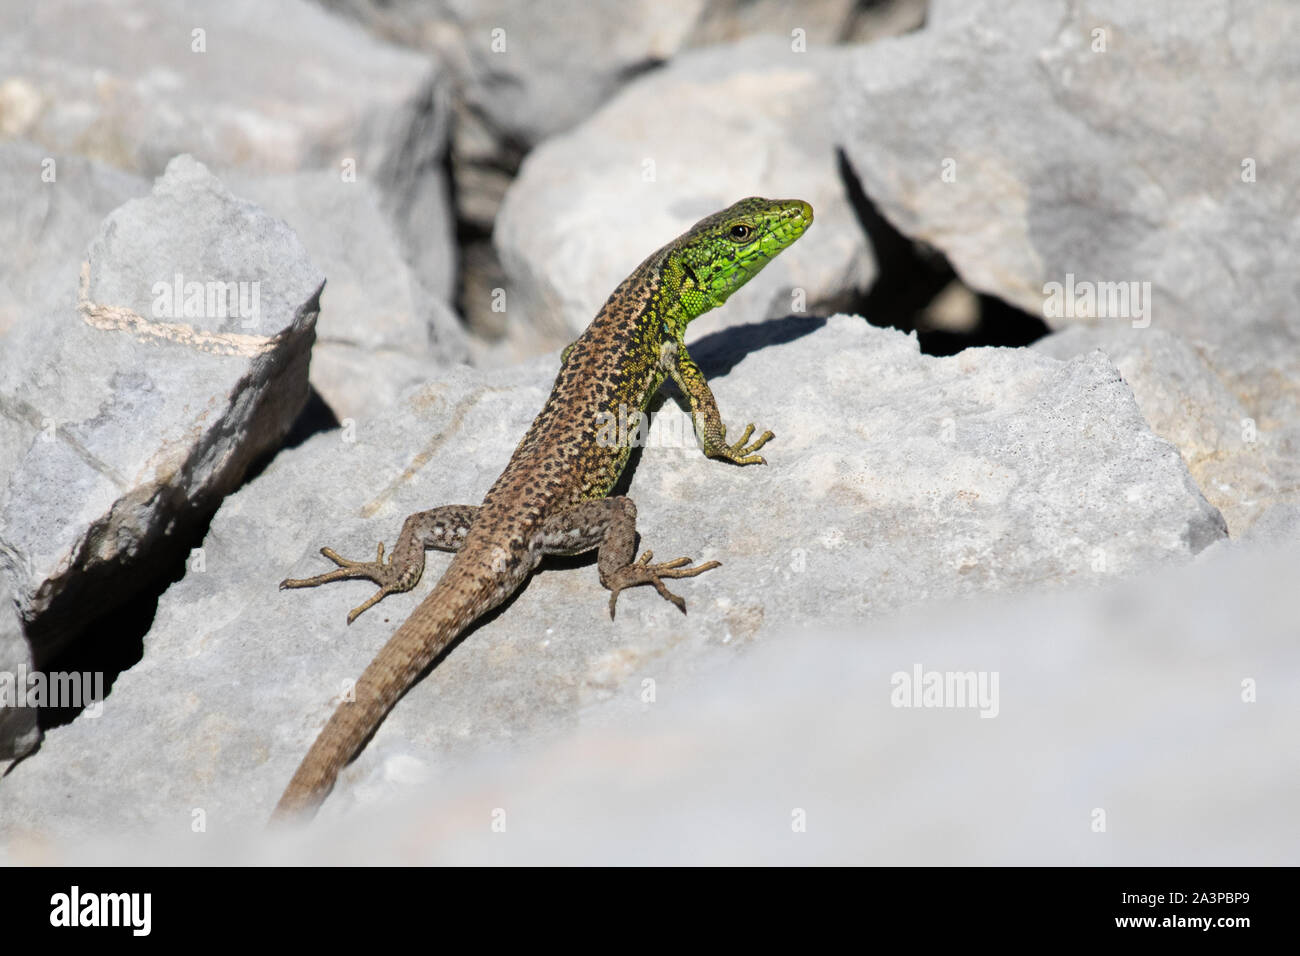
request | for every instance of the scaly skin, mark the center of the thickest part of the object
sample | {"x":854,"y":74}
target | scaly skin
{"x":551,"y":498}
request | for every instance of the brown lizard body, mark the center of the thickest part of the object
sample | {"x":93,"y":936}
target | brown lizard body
{"x":551,"y":497}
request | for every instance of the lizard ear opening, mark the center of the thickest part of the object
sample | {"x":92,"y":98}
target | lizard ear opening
{"x":689,"y":276}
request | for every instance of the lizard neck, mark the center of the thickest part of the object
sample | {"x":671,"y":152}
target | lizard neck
{"x":680,"y":299}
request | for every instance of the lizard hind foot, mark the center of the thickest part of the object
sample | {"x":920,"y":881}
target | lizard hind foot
{"x":391,"y":580}
{"x":375,"y":570}
{"x":642,"y":571}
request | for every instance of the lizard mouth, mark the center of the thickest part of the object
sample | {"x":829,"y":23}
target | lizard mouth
{"x":795,"y":217}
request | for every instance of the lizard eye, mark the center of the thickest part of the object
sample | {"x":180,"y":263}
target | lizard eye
{"x":740,"y":232}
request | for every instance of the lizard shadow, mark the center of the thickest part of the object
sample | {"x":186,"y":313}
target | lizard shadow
{"x":719,"y":352}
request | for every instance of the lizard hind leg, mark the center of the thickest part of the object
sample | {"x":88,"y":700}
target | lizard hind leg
{"x":443,"y":528}
{"x":642,"y":571}
{"x":609,"y":524}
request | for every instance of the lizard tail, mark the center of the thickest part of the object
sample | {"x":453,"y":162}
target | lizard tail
{"x":449,"y":608}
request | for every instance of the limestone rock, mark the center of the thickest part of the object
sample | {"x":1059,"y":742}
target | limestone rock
{"x":127,"y":419}
{"x":895,"y":479}
{"x":751,"y":119}
{"x":53,"y":207}
{"x":1186,"y":400}
{"x":380,"y":331}
{"x":242,"y":85}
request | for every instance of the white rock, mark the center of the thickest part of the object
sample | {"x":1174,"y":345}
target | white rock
{"x":1104,"y":164}
{"x":1150,"y":700}
{"x":1040,"y":141}
{"x":895,"y":478}
{"x":533,"y":70}
{"x":127,"y":419}
{"x":53,"y":207}
{"x":1185,"y":400}
{"x":241,"y":85}
{"x":379,"y":331}
{"x":715,"y":126}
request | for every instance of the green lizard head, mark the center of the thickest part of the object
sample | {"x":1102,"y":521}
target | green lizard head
{"x":724,"y":251}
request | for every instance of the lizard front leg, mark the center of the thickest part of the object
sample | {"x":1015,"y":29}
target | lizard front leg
{"x":610,"y":525}
{"x":704,"y":411}
{"x":443,"y":528}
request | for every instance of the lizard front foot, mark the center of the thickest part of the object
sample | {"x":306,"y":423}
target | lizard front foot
{"x":642,"y":571}
{"x":741,"y":452}
{"x":391,"y":579}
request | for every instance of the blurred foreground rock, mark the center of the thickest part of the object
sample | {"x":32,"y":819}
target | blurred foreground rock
{"x":1158,"y":707}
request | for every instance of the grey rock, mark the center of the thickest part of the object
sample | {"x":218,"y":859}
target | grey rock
{"x":875,"y":21}
{"x":18,"y":730}
{"x":53,"y":207}
{"x":1075,"y":164}
{"x":270,"y":88}
{"x":523,"y":73}
{"x":749,"y":119}
{"x":533,"y":70}
{"x":817,"y":24}
{"x":1187,"y":401}
{"x":123,"y":422}
{"x":1102,"y":164}
{"x":380,"y":331}
{"x":894,"y":479}
{"x":1279,"y":524}
{"x":1131,"y":700}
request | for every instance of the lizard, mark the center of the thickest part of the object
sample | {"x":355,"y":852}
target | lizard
{"x":553,"y":496}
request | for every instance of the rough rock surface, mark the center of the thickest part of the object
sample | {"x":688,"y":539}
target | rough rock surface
{"x":895,"y":478}
{"x":1080,"y":153}
{"x":53,"y":206}
{"x":18,"y":730}
{"x":524,"y":72}
{"x":757,"y":126}
{"x":258,"y":87}
{"x":1243,"y":471}
{"x":125,"y":420}
{"x":1134,"y":700}
{"x":379,"y":331}
{"x":533,"y":70}
{"x":1070,"y":159}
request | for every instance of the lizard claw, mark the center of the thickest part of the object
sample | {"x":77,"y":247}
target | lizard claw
{"x":382,"y":574}
{"x":374,"y":599}
{"x":343,"y":562}
{"x":742,"y":452}
{"x":641,"y":571}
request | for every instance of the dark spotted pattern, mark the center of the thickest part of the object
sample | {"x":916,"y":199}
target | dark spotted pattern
{"x":551,"y":498}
